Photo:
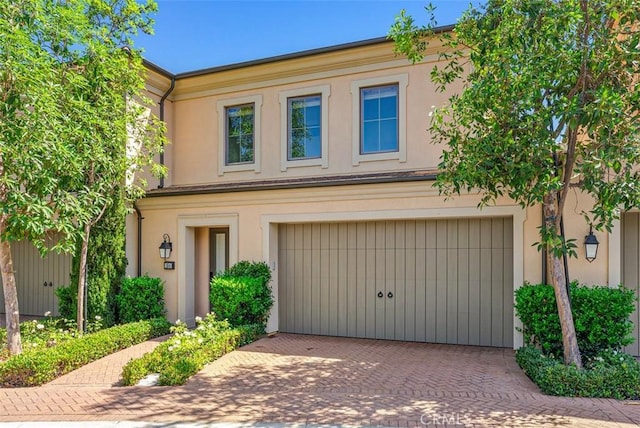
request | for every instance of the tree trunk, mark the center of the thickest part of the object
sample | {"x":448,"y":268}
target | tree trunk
{"x":558,"y":281}
{"x":14,"y":342}
{"x":82,"y":277}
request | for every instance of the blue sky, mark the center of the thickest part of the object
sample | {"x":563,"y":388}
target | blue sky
{"x":195,"y":34}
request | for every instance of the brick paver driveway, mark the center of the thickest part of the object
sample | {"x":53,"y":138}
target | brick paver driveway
{"x":322,"y":380}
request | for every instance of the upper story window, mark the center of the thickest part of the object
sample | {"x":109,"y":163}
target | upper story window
{"x":239,"y":134}
{"x":304,"y":127}
{"x":379,"y":106}
{"x":304,"y":130}
{"x":379,"y":121}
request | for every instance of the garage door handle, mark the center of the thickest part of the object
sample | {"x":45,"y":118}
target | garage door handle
{"x":390,"y":295}
{"x":380,"y":294}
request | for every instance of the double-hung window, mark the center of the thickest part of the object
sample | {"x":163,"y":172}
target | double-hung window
{"x":239,"y":134}
{"x":304,"y":127}
{"x":379,"y":106}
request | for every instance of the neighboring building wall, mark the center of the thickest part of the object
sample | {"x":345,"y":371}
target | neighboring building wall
{"x":37,"y":278}
{"x":157,"y":86}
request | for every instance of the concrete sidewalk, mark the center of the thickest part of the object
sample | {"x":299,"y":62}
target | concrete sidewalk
{"x":296,"y":380}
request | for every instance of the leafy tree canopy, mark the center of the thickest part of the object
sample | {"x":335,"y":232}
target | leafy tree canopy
{"x":550,"y":102}
{"x":74,"y":124}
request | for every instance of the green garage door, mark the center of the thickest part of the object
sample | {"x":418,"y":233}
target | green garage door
{"x":444,"y":281}
{"x":631,"y":270}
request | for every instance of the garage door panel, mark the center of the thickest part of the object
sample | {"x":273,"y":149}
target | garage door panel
{"x":441,"y":294}
{"x":463,"y":295}
{"x":431,"y":304}
{"x":399,"y":299}
{"x":485,"y":295}
{"x":372,"y":285}
{"x":497,"y":283}
{"x":380,"y":281}
{"x":437,"y":279}
{"x":420,"y":293}
{"x":474,"y":295}
{"x":306,"y":278}
{"x":410,"y":283}
{"x":452,"y":292}
{"x":430,"y":234}
{"x":351,"y":269}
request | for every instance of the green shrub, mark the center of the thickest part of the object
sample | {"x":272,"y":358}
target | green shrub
{"x":242,"y":294}
{"x":36,"y":367}
{"x":251,"y":269}
{"x":67,"y":301}
{"x":140,"y":298}
{"x":106,"y":262}
{"x":601,"y":317}
{"x":188,"y":351}
{"x":610,"y":374}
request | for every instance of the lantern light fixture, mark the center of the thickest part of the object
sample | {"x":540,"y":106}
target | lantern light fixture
{"x":591,"y":245}
{"x":166,"y":247}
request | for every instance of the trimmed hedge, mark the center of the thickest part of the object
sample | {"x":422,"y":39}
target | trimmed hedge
{"x":33,"y":368}
{"x":182,"y":356}
{"x":611,"y":375}
{"x":242,"y":294}
{"x":141,"y":298}
{"x":601,"y":317}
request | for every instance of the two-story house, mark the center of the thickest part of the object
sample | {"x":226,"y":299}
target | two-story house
{"x":320,"y":164}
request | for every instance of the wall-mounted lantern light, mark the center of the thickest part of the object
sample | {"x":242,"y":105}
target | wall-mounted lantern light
{"x":591,"y":245}
{"x":166,"y":247}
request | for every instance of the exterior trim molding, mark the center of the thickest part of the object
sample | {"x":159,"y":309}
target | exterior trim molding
{"x":298,"y":183}
{"x":324,"y":91}
{"x":185,"y":252}
{"x":223,"y":168}
{"x":615,"y":254}
{"x":402,"y":80}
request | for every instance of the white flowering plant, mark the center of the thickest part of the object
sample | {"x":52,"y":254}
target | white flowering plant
{"x":610,"y":358}
{"x":188,"y":350}
{"x":47,"y":332}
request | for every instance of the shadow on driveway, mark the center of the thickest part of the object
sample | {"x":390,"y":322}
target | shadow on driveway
{"x":340,"y":381}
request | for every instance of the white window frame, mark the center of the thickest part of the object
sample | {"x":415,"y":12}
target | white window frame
{"x":223,"y":168}
{"x":323,"y":161}
{"x":402,"y":80}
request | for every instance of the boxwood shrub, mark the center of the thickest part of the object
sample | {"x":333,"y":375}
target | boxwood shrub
{"x":188,"y":351}
{"x":140,"y":298}
{"x":242,"y":294}
{"x":610,"y":374}
{"x":42,"y":365}
{"x":601,"y":317}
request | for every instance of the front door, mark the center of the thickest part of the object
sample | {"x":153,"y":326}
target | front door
{"x":218,"y":251}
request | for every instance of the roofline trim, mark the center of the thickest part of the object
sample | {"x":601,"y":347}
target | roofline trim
{"x":277,"y":58}
{"x":311,"y":182}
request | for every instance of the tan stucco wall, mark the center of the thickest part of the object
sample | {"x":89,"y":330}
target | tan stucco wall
{"x":252,"y":214}
{"x":191,"y":115}
{"x":193,"y":122}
